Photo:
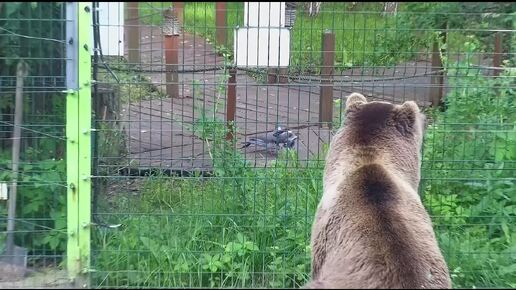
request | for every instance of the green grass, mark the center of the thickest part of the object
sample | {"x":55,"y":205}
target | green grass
{"x":236,"y":230}
{"x":199,"y":18}
{"x":362,"y":38}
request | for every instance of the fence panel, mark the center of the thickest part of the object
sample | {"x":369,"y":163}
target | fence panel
{"x":197,"y":211}
{"x":33,"y":197}
{"x":183,"y":192}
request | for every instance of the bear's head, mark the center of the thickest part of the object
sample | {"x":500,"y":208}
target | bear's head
{"x":390,"y":132}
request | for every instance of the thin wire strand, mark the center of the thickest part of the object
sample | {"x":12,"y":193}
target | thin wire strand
{"x":34,"y":131}
{"x":32,"y":37}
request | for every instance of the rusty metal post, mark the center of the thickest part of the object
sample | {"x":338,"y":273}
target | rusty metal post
{"x":178,"y":7}
{"x":132,"y":31}
{"x":327,"y":69}
{"x":220,"y":23}
{"x":437,"y":78}
{"x":497,"y":55}
{"x":231,"y":103}
{"x":171,"y":44}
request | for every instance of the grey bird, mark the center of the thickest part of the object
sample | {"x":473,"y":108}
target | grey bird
{"x":271,"y":140}
{"x":291,"y":141}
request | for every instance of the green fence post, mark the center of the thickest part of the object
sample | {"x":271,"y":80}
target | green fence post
{"x":78,"y":133}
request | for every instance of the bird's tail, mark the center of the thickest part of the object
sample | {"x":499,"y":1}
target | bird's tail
{"x":257,"y":142}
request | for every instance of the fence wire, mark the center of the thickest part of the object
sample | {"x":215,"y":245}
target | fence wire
{"x":32,"y":164}
{"x":184,"y":197}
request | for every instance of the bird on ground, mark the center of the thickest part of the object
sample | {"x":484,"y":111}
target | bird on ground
{"x":280,"y":137}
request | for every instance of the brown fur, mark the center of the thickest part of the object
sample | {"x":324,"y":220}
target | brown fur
{"x":371,"y":229}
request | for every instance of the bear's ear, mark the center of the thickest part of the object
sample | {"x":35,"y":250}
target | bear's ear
{"x":354,"y":100}
{"x":410,"y":106}
{"x":405,"y":118}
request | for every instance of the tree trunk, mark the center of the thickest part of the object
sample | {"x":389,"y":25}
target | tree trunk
{"x":390,"y":7}
{"x":313,"y":8}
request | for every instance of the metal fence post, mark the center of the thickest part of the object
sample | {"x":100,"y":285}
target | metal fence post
{"x":132,"y":32}
{"x":231,"y":103}
{"x":437,"y":69}
{"x":78,"y":135}
{"x":437,"y":78}
{"x":220,"y":23}
{"x":178,"y":7}
{"x":327,"y":68}
{"x":171,"y":45}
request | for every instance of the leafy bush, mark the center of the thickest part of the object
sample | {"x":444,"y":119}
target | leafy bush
{"x":37,"y":20}
{"x":41,"y":205}
{"x":41,"y":201}
{"x":41,"y":190}
{"x":469,"y":187}
{"x":458,"y":20}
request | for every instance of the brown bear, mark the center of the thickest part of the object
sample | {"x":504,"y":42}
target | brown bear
{"x":371,"y":229}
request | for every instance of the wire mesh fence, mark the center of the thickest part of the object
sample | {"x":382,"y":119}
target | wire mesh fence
{"x":190,"y":188}
{"x":32,"y":143}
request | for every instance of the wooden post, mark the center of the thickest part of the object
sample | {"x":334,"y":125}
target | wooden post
{"x":497,"y":55}
{"x":178,"y":7}
{"x":22,"y":71}
{"x":437,"y":78}
{"x":272,"y":75}
{"x":132,"y":32}
{"x":283,"y":75}
{"x":220,"y":23}
{"x":326,"y":97}
{"x":277,"y":75}
{"x":231,"y":103}
{"x":171,"y":44}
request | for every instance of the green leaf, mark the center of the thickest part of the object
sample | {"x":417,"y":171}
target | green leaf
{"x":60,"y":223}
{"x":506,"y":231}
{"x":240,"y":238}
{"x":54,"y":242}
{"x":226,"y":259}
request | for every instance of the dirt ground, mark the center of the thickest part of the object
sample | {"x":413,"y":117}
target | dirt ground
{"x":20,"y":278}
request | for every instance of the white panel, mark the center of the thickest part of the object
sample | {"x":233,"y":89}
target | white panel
{"x":251,"y":47}
{"x":111,"y":21}
{"x":264,"y":14}
{"x":3,"y":191}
